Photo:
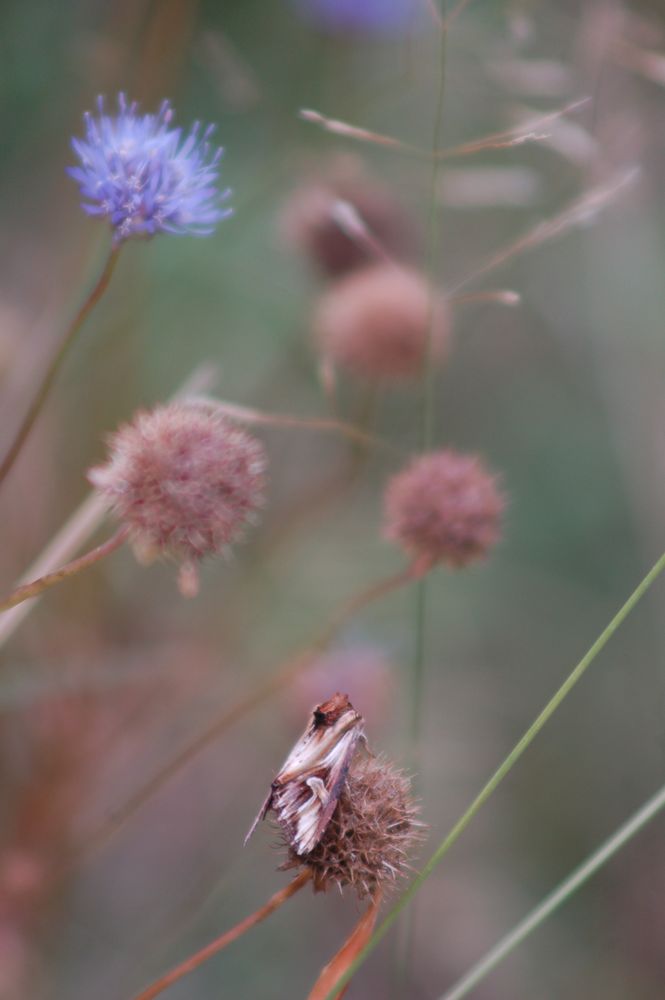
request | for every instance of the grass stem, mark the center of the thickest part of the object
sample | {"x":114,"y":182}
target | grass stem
{"x":504,"y":768}
{"x":557,"y":897}
{"x":417,"y":680}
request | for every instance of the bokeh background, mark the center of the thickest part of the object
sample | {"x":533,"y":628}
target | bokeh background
{"x":114,"y":671}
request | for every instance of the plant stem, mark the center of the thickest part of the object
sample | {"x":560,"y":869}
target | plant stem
{"x":192,"y":963}
{"x":505,"y":767}
{"x":54,"y":366}
{"x":427,"y":421}
{"x":274,"y":685}
{"x":565,"y":890}
{"x":426,"y":437}
{"x":248,"y":415}
{"x":42,"y":583}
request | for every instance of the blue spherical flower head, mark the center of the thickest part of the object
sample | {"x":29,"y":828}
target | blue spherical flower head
{"x":145,"y":177}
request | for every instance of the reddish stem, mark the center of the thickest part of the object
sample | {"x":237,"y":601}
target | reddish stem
{"x":54,"y":367}
{"x":192,"y":963}
{"x":35,"y":587}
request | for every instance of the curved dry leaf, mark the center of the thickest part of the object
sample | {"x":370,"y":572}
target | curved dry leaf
{"x":347,"y":954}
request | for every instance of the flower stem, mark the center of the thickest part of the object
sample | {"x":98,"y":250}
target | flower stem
{"x":54,"y":366}
{"x":42,"y":583}
{"x":248,"y":415}
{"x":426,"y":437}
{"x":504,"y":768}
{"x":560,"y":895}
{"x":192,"y":963}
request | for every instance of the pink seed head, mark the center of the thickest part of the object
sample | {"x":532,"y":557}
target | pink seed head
{"x":185,"y":480}
{"x":444,"y":507}
{"x":377,"y":323}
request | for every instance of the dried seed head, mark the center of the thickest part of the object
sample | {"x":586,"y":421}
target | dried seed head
{"x":444,"y":507}
{"x":372,"y":833}
{"x":309,"y":220}
{"x":377,"y":324}
{"x":185,"y":480}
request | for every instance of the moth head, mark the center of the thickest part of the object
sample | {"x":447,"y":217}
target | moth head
{"x":329,"y":712}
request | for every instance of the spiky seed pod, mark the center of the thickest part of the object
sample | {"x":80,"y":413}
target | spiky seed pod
{"x":444,"y":507}
{"x":308,"y":221}
{"x":371,"y":836}
{"x":378,"y":324}
{"x":185,"y":480}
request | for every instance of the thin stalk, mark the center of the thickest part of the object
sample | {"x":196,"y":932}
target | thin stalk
{"x":194,"y":961}
{"x":504,"y":768}
{"x":248,"y":415}
{"x":434,"y":241}
{"x":42,"y":583}
{"x":426,"y":436}
{"x":560,"y":895}
{"x":274,"y":685}
{"x":56,"y":361}
{"x":576,"y":213}
{"x":448,"y":19}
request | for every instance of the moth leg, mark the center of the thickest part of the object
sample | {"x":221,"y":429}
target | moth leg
{"x":318,"y":789}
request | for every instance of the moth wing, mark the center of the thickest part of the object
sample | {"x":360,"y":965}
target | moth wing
{"x":290,"y":771}
{"x":261,"y":815}
{"x":334,"y":784}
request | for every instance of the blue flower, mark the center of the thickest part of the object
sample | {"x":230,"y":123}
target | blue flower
{"x":385,"y":16}
{"x":145,"y":177}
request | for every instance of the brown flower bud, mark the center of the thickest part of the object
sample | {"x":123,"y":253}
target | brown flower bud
{"x":444,"y":507}
{"x":379,"y":323}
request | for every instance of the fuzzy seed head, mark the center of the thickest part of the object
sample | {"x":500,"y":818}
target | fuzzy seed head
{"x":185,"y":480}
{"x":377,"y":323}
{"x":373,"y":832}
{"x":309,"y":221}
{"x":444,"y":507}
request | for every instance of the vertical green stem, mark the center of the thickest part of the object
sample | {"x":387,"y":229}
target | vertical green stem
{"x":427,"y":421}
{"x":426,"y":439}
{"x":54,"y":366}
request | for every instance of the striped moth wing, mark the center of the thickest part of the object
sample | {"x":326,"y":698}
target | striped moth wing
{"x":304,"y":794}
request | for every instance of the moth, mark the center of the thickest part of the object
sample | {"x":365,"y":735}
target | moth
{"x":304,"y":794}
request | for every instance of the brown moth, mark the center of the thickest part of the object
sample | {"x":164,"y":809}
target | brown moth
{"x":304,"y":794}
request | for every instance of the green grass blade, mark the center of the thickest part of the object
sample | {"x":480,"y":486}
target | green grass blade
{"x":570,"y":885}
{"x":504,"y":768}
